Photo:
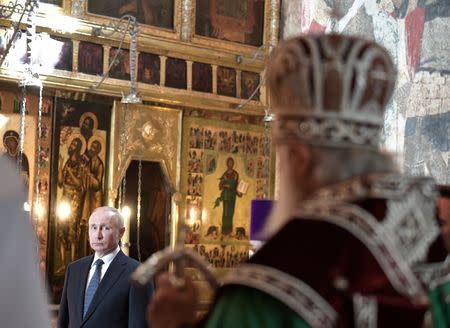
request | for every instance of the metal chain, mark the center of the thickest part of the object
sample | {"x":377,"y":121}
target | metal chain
{"x":30,"y":36}
{"x":133,"y":57}
{"x":123,"y":149}
{"x":138,"y":212}
{"x":6,"y":11}
{"x":23,"y":111}
{"x":113,"y":60}
{"x":123,"y":136}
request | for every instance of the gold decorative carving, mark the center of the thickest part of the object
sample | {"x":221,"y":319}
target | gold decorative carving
{"x":152,"y":134}
{"x":274,"y":23}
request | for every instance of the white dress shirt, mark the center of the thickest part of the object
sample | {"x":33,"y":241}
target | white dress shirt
{"x":107,"y":259}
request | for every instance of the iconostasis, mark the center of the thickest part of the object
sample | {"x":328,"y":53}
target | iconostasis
{"x":92,"y":91}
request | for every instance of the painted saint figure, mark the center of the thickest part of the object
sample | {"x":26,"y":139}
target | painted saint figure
{"x":71,"y":180}
{"x":228,"y":185}
{"x":93,"y":185}
{"x":11,"y":144}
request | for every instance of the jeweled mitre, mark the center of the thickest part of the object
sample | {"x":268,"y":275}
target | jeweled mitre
{"x":329,"y":90}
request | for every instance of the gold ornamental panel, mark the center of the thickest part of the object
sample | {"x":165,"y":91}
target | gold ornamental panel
{"x":146,"y":133}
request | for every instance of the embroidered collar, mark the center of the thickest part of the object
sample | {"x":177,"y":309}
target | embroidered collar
{"x":380,"y":185}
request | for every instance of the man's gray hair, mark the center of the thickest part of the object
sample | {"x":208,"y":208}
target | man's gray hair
{"x":347,"y":163}
{"x":115,"y":214}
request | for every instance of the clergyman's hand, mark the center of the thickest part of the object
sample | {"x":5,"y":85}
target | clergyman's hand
{"x":173,"y":303}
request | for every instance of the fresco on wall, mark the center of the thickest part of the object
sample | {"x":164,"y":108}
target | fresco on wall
{"x":78,"y":180}
{"x":414,"y":33}
{"x":158,"y":13}
{"x":427,"y":146}
{"x":232,"y":20}
{"x":227,"y":166}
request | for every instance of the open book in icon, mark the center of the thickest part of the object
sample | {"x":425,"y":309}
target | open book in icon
{"x":242,"y":187}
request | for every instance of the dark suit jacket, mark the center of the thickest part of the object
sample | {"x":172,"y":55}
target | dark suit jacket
{"x":116,"y":302}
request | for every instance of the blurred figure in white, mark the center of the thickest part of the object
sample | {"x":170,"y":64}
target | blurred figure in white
{"x":23,"y":301}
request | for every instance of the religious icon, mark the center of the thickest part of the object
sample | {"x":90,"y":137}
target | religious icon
{"x":195,"y":164}
{"x":78,"y":180}
{"x":71,"y":187}
{"x":158,"y":13}
{"x":232,"y":20}
{"x":176,"y":73}
{"x":18,"y":103}
{"x":65,"y":57}
{"x":211,"y":163}
{"x":249,"y":84}
{"x":210,"y":139}
{"x":201,"y":77}
{"x":226,"y":81}
{"x":196,"y":137}
{"x":11,"y":144}
{"x":47,"y":105}
{"x":228,"y":185}
{"x":223,"y":170}
{"x":90,"y":58}
{"x":148,"y":68}
{"x":120,"y":68}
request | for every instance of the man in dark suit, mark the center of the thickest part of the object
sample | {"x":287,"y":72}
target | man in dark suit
{"x":97,"y":291}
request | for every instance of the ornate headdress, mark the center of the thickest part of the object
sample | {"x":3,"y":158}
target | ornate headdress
{"x":11,"y":134}
{"x":330,"y":90}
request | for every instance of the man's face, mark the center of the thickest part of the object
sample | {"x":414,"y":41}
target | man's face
{"x":104,"y":232}
{"x":74,"y":147}
{"x":87,"y":124}
{"x":147,"y":74}
{"x":94,"y":149}
{"x":230,"y":163}
{"x":87,"y":127}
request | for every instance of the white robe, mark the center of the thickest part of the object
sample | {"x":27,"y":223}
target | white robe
{"x":23,"y":301}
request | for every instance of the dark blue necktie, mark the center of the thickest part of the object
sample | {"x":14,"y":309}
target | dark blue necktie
{"x":93,"y":285}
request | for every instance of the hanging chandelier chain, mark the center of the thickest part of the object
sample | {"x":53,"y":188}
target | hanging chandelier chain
{"x":123,"y":137}
{"x":126,"y":25}
{"x":114,"y":59}
{"x":138,"y":212}
{"x":39,"y":158}
{"x":6,"y":11}
{"x":133,"y":57}
{"x":23,"y":111}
